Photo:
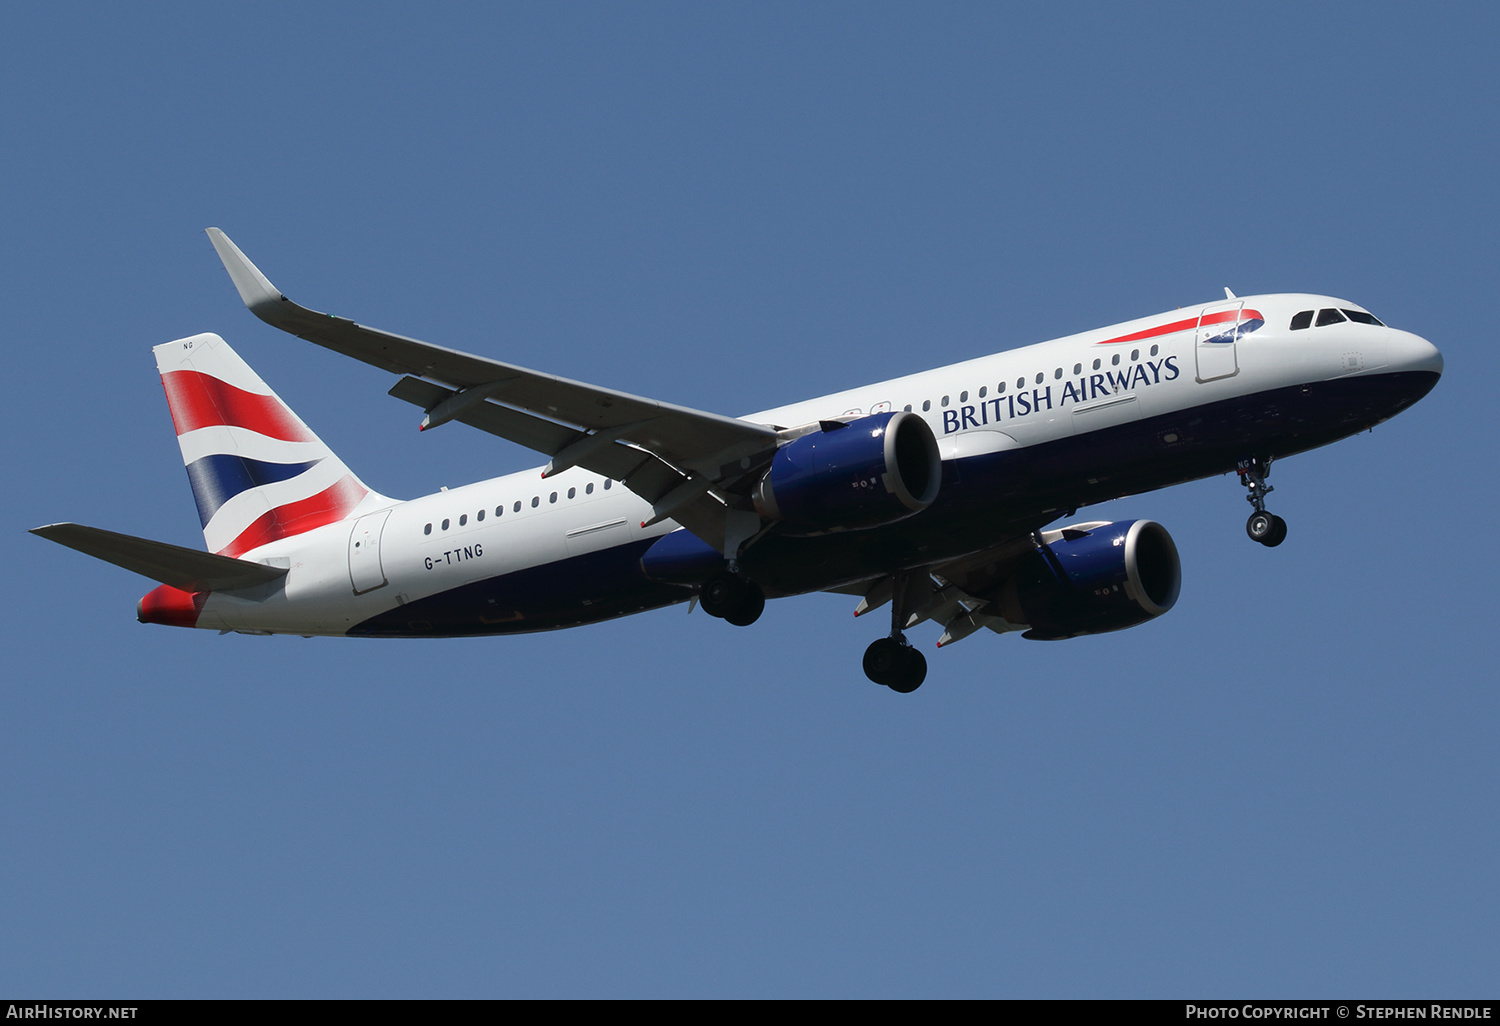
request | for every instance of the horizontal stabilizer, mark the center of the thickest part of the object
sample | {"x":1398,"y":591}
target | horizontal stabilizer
{"x":183,"y":568}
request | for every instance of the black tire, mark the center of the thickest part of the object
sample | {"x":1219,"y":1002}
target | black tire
{"x":884,"y":660}
{"x":719,"y":595}
{"x":913,"y":673}
{"x":1260,"y":526}
{"x":896,"y":665}
{"x":1277,"y":535}
{"x":751,"y":603}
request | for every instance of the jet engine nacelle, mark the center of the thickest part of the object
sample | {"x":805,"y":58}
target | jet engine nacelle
{"x":1095,"y":578}
{"x":863,"y":473}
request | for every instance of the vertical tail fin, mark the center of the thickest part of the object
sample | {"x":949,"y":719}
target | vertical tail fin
{"x":258,"y":472}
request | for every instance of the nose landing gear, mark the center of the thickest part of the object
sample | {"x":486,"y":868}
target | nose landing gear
{"x":1264,"y":527}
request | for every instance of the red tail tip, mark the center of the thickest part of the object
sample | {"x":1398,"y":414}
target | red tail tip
{"x":171,"y":606}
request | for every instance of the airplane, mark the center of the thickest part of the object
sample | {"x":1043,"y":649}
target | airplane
{"x":931,"y":493}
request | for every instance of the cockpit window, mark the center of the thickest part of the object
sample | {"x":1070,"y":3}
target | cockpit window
{"x":1302,"y":320}
{"x":1360,"y":317}
{"x":1327,"y":317}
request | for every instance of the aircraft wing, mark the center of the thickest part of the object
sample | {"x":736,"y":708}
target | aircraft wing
{"x":685,"y":462}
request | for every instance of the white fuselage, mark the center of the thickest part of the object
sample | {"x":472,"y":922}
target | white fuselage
{"x":1024,"y":397}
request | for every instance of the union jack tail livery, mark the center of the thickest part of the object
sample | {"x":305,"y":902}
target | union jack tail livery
{"x":258,"y":473}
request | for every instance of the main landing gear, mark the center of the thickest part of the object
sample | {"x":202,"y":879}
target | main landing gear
{"x":892,"y":661}
{"x":731,"y":597}
{"x":1264,"y":527}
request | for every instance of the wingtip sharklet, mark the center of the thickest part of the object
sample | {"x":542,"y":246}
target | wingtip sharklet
{"x":254,"y":288}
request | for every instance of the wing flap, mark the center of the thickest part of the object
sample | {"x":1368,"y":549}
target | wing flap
{"x":640,"y":471}
{"x":183,"y":568}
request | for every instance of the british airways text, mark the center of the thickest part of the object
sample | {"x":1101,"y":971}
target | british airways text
{"x":1075,"y":390}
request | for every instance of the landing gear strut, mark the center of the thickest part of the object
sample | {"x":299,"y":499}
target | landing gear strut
{"x":892,"y":661}
{"x":1264,"y":527}
{"x":731,"y":597}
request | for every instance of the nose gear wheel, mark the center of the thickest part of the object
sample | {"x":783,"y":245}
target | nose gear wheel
{"x":1266,"y":528}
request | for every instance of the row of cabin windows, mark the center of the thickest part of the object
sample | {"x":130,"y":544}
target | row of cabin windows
{"x":963,"y":397}
{"x":536,"y":500}
{"x":1331,"y":316}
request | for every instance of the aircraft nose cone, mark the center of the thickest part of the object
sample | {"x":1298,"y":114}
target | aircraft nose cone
{"x":1410,"y":352}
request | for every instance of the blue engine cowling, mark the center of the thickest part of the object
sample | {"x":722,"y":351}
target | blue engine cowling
{"x":1096,"y":579}
{"x":864,"y":473}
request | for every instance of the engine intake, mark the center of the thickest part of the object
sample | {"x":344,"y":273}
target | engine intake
{"x":865,"y":473}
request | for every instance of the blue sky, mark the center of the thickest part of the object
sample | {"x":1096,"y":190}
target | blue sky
{"x":1285,"y":787}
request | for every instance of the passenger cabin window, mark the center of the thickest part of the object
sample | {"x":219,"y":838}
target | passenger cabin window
{"x":1302,"y":320}
{"x":1327,"y":317}
{"x":1360,"y":317}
